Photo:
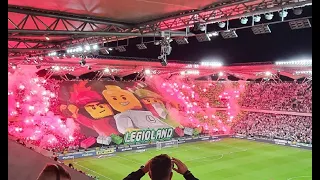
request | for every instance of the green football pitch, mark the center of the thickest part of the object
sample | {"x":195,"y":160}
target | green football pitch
{"x":228,"y":159}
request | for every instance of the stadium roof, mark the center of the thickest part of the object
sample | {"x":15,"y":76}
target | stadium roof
{"x":124,"y":11}
{"x":36,"y":26}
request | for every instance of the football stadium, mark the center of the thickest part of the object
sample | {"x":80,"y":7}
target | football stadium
{"x":160,"y":90}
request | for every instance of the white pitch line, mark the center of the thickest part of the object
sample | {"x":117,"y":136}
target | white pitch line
{"x":298,"y":177}
{"x":136,"y":162}
{"x":93,"y":171}
{"x":221,"y":156}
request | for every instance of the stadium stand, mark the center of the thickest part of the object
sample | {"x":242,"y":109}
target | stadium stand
{"x":286,"y":96}
{"x":21,"y":158}
{"x":287,"y":127}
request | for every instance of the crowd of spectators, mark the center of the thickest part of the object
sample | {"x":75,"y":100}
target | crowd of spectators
{"x":278,"y":126}
{"x":285,"y":96}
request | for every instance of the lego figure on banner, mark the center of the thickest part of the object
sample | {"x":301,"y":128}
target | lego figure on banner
{"x":121,"y":100}
{"x":89,"y":108}
{"x":152,"y":101}
{"x":131,"y":116}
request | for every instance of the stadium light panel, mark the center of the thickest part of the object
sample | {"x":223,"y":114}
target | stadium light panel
{"x":52,"y":54}
{"x":296,"y":62}
{"x":212,"y":34}
{"x":268,"y":73}
{"x":104,"y":51}
{"x":192,"y":72}
{"x":299,"y":24}
{"x":120,"y":48}
{"x":303,"y":72}
{"x":141,"y":46}
{"x":56,"y":68}
{"x":211,"y":64}
{"x":261,"y":29}
{"x":147,"y":71}
{"x":229,"y":34}
{"x":181,"y":40}
{"x":203,"y":37}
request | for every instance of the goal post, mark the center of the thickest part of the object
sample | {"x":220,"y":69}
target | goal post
{"x":166,"y":144}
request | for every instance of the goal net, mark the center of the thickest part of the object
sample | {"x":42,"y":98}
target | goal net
{"x":166,"y":144}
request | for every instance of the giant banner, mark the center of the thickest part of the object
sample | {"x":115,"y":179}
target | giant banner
{"x":148,"y":135}
{"x":114,"y":108}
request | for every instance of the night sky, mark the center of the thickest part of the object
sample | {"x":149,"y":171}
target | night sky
{"x":282,"y":44}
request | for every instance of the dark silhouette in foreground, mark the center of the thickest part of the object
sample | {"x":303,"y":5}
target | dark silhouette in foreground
{"x":54,"y":172}
{"x":160,"y":168}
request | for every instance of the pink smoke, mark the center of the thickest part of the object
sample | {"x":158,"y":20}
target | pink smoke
{"x":30,"y":118}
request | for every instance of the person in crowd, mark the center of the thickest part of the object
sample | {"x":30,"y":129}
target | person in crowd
{"x":71,"y":165}
{"x":160,"y":168}
{"x":54,"y":172}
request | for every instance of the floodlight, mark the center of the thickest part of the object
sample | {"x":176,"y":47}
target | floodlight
{"x":203,"y":27}
{"x":268,"y":16}
{"x":79,"y":49}
{"x":244,"y":20}
{"x":87,"y":48}
{"x":257,"y":18}
{"x":283,"y":13}
{"x":222,"y":24}
{"x":297,"y":11}
{"x":211,"y":34}
{"x":95,"y":46}
{"x":268,"y":73}
{"x":56,"y":68}
{"x":211,"y":64}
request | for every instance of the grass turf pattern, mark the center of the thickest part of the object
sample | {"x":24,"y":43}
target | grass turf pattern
{"x":228,"y":159}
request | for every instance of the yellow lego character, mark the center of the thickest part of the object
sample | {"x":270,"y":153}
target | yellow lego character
{"x":119,"y":99}
{"x":98,"y":110}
